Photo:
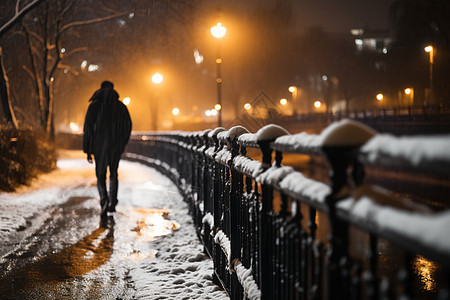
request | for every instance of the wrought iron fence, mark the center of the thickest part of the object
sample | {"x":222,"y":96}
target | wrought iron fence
{"x":280,"y":230}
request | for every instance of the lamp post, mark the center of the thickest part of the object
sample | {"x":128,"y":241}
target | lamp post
{"x":218,"y":32}
{"x":157,"y":79}
{"x":294,"y":95}
{"x":430,"y":50}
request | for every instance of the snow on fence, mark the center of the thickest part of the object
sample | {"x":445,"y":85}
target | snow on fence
{"x":280,"y":231}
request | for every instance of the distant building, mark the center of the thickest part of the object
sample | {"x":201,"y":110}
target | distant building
{"x":372,"y":40}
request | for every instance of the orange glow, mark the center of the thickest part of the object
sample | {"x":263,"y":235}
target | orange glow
{"x":154,"y":224}
{"x":292,"y":89}
{"x":175,"y":111}
{"x":283,"y":101}
{"x":247,"y":106}
{"x":407,"y":91}
{"x":218,"y":107}
{"x":317,"y":104}
{"x":218,"y":31}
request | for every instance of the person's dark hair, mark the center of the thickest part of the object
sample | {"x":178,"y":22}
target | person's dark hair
{"x":107,"y":84}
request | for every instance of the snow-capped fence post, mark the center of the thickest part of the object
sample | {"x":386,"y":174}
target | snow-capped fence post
{"x":236,"y":191}
{"x":264,"y":137}
{"x":340,"y":144}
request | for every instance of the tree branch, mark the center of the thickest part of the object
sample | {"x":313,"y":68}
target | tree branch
{"x":69,"y":68}
{"x":18,"y":15}
{"x":87,"y":22}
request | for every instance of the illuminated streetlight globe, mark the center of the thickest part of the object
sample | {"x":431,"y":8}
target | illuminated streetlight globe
{"x":283,"y":101}
{"x":157,"y":78}
{"x":317,"y":104}
{"x":292,"y":89}
{"x":213,"y":112}
{"x":380,"y":97}
{"x":407,"y":91}
{"x":247,"y":106}
{"x":218,"y":31}
{"x":126,"y":100}
{"x":175,"y":111}
{"x":428,"y":48}
{"x":217,"y":107}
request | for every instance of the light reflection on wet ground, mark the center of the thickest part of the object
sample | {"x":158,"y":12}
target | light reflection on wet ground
{"x":61,"y":270}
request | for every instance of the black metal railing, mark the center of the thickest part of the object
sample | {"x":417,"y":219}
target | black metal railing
{"x":284,"y":231}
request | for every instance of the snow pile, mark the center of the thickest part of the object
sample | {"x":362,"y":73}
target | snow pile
{"x":297,"y":183}
{"x":224,"y":243}
{"x":208,"y":218}
{"x":235,"y":132}
{"x":428,"y":230}
{"x":223,"y":156}
{"x":215,"y":132}
{"x":415,"y":150}
{"x":247,"y":165}
{"x":270,"y":132}
{"x":244,"y":275}
{"x":346,"y":133}
{"x":274,"y":175}
{"x":299,"y":142}
{"x":248,"y":138}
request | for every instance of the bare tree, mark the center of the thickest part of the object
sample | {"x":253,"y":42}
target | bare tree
{"x":44,"y":35}
{"x":19,"y":11}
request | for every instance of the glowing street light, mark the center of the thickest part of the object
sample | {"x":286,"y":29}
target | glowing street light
{"x":126,"y":100}
{"x":408,"y":91}
{"x":380,"y":97}
{"x":430,"y":50}
{"x":247,"y":106}
{"x":317,"y":104}
{"x":157,"y":78}
{"x":283,"y":101}
{"x":294,"y":94}
{"x":218,"y":32}
{"x":217,"y":107}
{"x":175,"y":111}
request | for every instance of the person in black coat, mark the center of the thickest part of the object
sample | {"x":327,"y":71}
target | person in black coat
{"x":107,"y":129}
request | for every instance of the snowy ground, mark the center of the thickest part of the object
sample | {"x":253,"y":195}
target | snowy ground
{"x":52,"y":246}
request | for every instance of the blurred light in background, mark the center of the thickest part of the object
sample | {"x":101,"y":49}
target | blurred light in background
{"x":407,"y":91}
{"x":317,"y":104}
{"x":157,"y":78}
{"x":247,"y":106}
{"x":283,"y":101}
{"x":92,"y":68}
{"x":175,"y":111}
{"x":126,"y":100}
{"x":380,"y":97}
{"x":218,"y":107}
{"x":198,"y":58}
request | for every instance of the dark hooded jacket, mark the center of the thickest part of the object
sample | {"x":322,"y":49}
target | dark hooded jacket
{"x":107,"y":126}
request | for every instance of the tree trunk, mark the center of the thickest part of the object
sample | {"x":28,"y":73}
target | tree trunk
{"x":8,"y":112}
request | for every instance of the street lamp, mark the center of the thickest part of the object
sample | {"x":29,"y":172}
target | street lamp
{"x":218,"y":32}
{"x":430,"y":50}
{"x":294,"y":93}
{"x":157,"y":78}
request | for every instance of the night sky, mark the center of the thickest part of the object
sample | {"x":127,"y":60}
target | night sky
{"x":343,"y":15}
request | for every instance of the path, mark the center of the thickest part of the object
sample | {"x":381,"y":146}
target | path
{"x":52,"y":245}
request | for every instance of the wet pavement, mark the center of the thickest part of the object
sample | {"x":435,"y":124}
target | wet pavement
{"x":147,"y":250}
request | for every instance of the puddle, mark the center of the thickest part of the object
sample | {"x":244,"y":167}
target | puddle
{"x":154,"y":223}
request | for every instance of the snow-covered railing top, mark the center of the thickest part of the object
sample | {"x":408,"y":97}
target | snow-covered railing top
{"x":424,"y":153}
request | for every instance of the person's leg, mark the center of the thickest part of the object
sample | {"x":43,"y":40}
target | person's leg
{"x":100,"y":172}
{"x":113,"y":182}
